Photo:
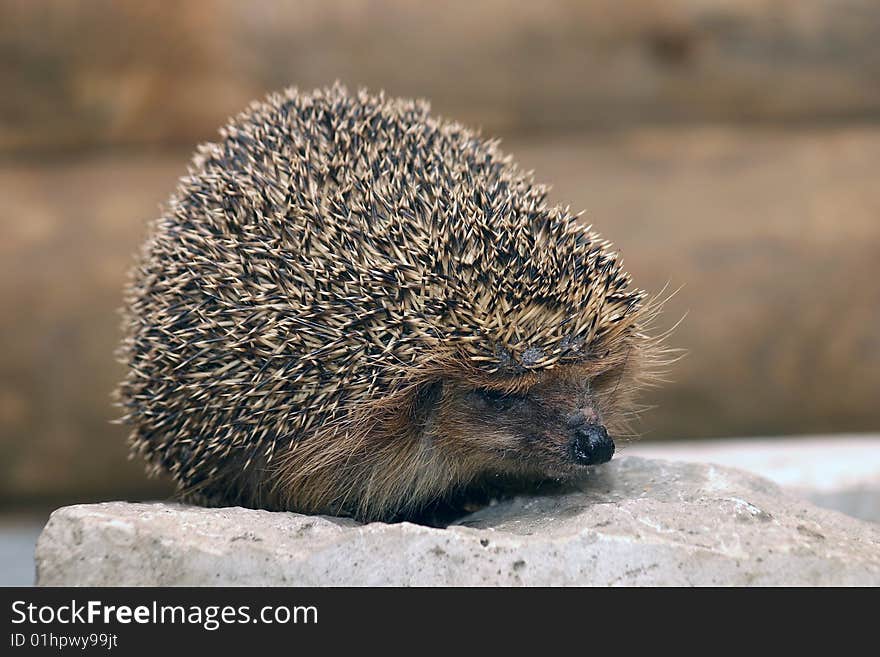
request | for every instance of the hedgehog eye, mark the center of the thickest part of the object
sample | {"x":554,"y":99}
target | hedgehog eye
{"x":498,"y":399}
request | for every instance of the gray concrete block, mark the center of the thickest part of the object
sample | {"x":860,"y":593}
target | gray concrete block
{"x":631,"y":522}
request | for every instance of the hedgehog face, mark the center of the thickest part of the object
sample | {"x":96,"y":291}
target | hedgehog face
{"x":560,"y":421}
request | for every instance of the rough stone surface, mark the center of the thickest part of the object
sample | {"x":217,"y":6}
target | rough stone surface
{"x":840,"y":472}
{"x":632,"y":522}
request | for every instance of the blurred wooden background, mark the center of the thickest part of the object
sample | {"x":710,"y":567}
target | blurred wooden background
{"x":729,"y":147}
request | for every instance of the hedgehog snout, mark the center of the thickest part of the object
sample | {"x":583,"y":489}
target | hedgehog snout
{"x":591,"y":445}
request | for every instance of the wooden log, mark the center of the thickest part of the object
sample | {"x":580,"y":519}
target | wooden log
{"x":81,"y":74}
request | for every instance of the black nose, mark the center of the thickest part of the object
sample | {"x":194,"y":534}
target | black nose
{"x":591,"y":445}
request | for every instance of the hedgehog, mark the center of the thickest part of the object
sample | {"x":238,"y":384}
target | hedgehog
{"x":353,"y":307}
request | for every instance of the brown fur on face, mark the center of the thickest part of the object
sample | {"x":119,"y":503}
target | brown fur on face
{"x":527,"y":431}
{"x":455,"y":429}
